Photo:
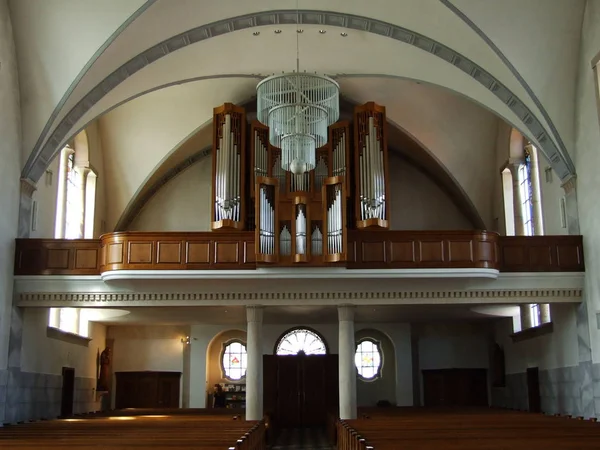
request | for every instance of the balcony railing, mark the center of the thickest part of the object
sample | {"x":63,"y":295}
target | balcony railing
{"x":235,"y":251}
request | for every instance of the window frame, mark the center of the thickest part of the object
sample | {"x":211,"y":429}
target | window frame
{"x":379,"y":372}
{"x":290,"y":332}
{"x":224,"y":373}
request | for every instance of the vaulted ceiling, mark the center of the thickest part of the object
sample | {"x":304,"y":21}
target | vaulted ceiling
{"x":79,"y":59}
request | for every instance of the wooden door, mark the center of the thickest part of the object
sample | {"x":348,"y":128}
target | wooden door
{"x":533,"y":389}
{"x":455,"y":387}
{"x":147,"y":389}
{"x":300,"y":390}
{"x":68,"y":391}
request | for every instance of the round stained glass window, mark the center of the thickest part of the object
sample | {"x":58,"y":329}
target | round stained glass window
{"x":301,"y":340}
{"x":368,"y":359}
{"x":235,"y":360}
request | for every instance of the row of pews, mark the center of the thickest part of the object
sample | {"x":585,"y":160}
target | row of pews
{"x":151,"y":429}
{"x":468,"y":429}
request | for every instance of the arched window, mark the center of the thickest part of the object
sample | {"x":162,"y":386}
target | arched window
{"x":234,"y":360}
{"x":301,"y":340}
{"x":368,"y":359}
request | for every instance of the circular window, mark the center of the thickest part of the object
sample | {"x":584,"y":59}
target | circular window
{"x":234,"y":360}
{"x":368,"y":359}
{"x":301,"y":340}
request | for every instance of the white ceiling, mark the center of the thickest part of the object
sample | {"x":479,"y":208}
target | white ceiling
{"x":236,"y":315}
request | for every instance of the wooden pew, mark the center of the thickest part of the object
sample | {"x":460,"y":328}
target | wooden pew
{"x":153,"y":429}
{"x":413,"y":428}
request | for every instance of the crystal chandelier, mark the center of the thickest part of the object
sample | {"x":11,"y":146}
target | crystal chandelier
{"x":298,"y":108}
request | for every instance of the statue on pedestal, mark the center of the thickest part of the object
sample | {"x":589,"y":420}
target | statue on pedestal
{"x":104,"y":377}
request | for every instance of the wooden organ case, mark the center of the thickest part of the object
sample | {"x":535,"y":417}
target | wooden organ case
{"x":300,"y":219}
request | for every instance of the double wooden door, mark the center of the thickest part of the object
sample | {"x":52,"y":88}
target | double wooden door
{"x":455,"y":387}
{"x":299,"y":391}
{"x":147,"y":390}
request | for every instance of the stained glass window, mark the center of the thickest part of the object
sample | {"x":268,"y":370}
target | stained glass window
{"x":235,"y":360}
{"x":368,"y":359}
{"x":301,"y":340}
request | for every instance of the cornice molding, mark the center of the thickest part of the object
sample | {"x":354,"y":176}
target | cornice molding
{"x":48,"y":299}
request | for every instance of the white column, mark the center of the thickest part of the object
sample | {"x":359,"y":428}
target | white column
{"x":254,"y":372}
{"x":513,"y":166}
{"x":347,"y":368}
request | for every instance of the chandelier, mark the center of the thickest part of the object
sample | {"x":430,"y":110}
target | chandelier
{"x":298,"y":108}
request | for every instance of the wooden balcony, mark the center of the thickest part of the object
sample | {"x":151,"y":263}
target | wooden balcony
{"x":235,"y":251}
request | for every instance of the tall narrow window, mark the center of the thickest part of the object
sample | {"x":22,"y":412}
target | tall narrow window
{"x":535,"y":315}
{"x":527,"y":194}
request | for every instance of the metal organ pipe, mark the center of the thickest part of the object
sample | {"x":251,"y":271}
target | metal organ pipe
{"x":317,"y":242}
{"x":228,"y":173}
{"x":300,"y":230}
{"x":372,"y":180}
{"x":334,"y":222}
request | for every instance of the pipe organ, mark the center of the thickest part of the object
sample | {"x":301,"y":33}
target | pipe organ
{"x":229,"y":143}
{"x":300,"y":219}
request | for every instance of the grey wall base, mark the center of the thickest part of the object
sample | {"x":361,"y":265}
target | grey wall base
{"x":561,"y":391}
{"x":26,"y":396}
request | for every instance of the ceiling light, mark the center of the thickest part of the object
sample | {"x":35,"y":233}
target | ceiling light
{"x":298,"y":108}
{"x":322,"y":31}
{"x":343,"y":34}
{"x":277,"y":31}
{"x":300,"y":31}
{"x":256,"y":33}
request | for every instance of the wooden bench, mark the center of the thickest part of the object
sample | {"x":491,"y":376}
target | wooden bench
{"x":470,"y":429}
{"x":139,"y":428}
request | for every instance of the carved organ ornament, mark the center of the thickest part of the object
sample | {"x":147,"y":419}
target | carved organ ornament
{"x":300,"y":219}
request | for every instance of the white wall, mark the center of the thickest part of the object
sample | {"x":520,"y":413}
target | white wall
{"x":43,"y":354}
{"x":550,"y":351}
{"x":45,"y":197}
{"x":153,"y":348}
{"x":10,"y":144}
{"x":418,"y":203}
{"x":587,"y":161}
{"x":183,"y":204}
{"x":460,"y":345}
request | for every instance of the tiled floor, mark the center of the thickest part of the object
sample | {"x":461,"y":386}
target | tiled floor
{"x":302,"y":439}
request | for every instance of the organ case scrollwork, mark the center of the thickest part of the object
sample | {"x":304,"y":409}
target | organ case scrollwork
{"x":267,"y":233}
{"x":371,"y":178}
{"x":228,"y":168}
{"x":335,"y":237}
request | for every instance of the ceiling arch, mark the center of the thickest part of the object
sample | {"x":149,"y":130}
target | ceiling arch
{"x":519,"y":106}
{"x":399,"y":141}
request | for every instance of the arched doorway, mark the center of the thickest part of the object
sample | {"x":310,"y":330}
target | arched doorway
{"x":300,"y":380}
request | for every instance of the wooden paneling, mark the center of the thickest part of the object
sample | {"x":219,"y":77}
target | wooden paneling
{"x":235,"y":250}
{"x":147,"y":390}
{"x":541,"y":254}
{"x":422,"y":249}
{"x":57,"y":257}
{"x":180,"y":251}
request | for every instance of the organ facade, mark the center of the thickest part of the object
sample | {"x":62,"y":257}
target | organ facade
{"x":300,"y":218}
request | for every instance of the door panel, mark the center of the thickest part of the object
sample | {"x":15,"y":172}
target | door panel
{"x":455,"y":387}
{"x":147,"y":390}
{"x":68,"y":391}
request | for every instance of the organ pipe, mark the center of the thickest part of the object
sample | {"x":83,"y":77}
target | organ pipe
{"x":267,"y":232}
{"x":228,"y":205}
{"x":339,"y":138}
{"x":334,"y":215}
{"x":371,"y":164}
{"x":300,"y":227}
{"x":259,"y":148}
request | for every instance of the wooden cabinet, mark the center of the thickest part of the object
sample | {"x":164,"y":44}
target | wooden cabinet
{"x":300,"y":390}
{"x":147,"y":390}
